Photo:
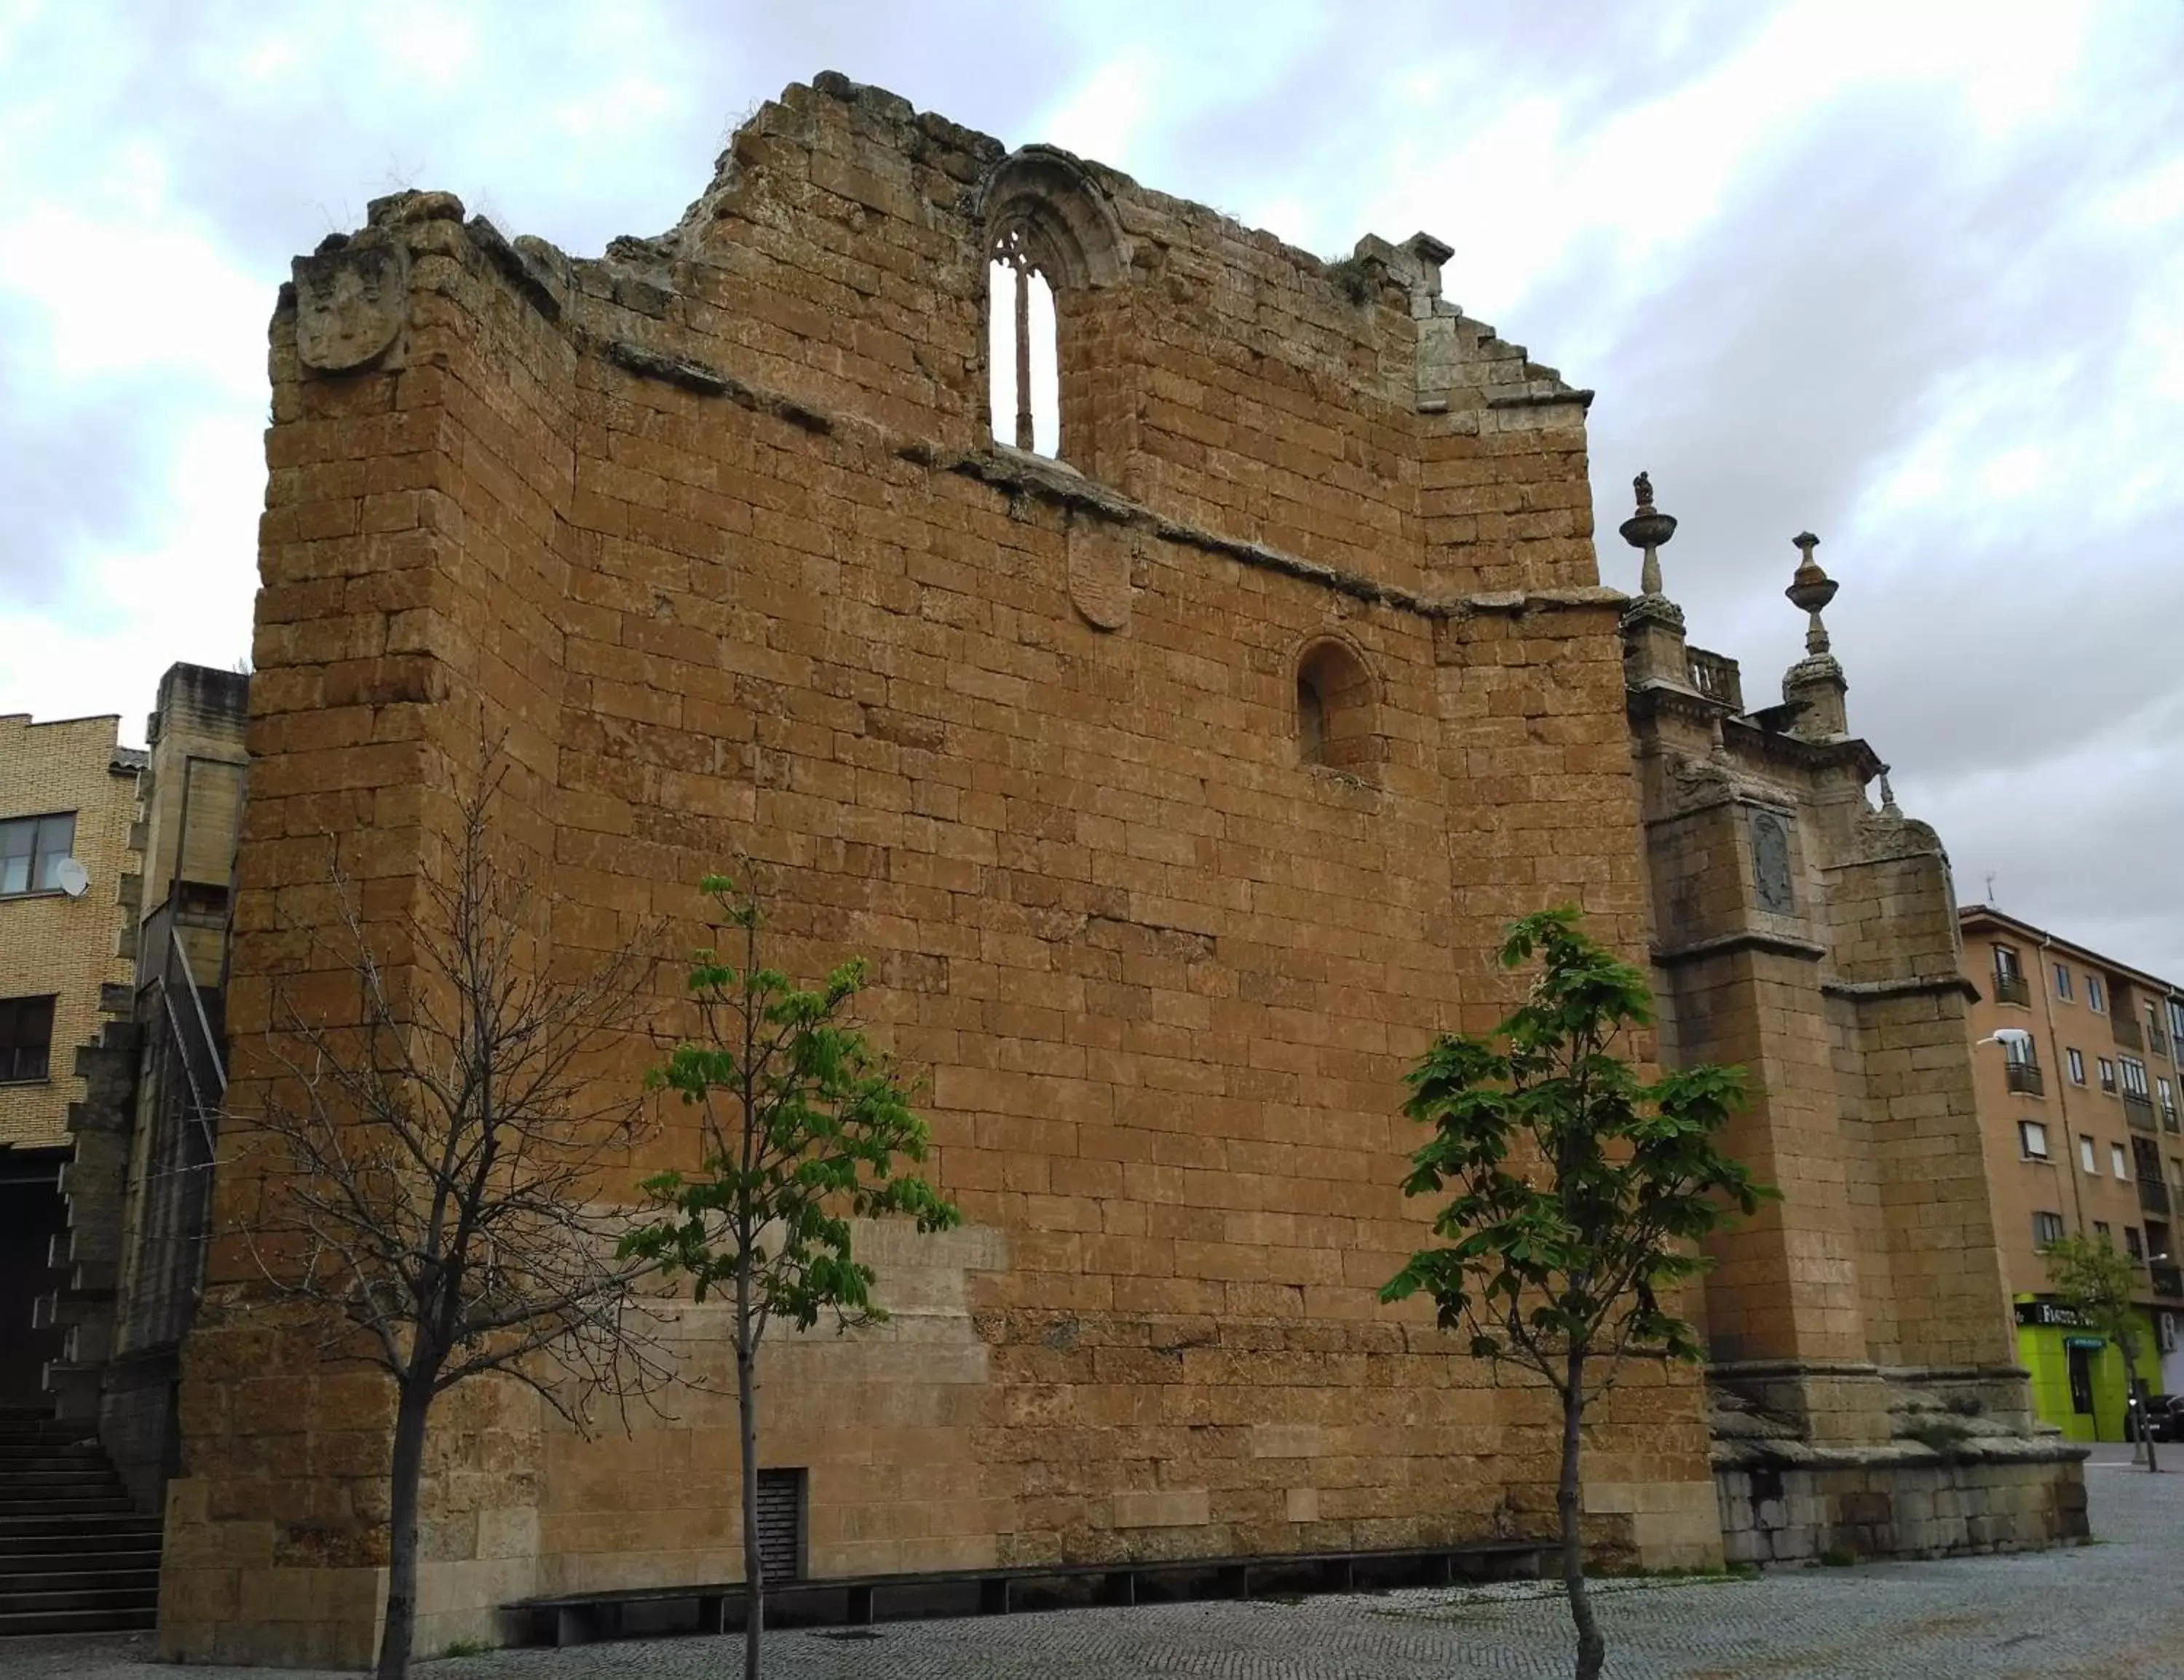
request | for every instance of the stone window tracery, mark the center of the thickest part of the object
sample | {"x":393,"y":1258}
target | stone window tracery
{"x":1023,"y":365}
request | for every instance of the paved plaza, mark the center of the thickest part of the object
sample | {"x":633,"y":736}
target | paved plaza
{"x":2113,"y":1610}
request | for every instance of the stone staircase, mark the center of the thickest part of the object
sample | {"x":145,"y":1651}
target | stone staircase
{"x":75,"y":1555}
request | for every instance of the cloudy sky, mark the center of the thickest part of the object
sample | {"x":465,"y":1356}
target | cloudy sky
{"x":1910,"y":274}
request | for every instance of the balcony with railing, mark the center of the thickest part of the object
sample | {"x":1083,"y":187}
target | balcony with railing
{"x":2165,"y":1279}
{"x":2012,"y":988}
{"x":2157,"y":1040}
{"x":2129,"y":1034}
{"x":1716,"y":676}
{"x":2154,"y":1196}
{"x":2138,"y":1111}
{"x":2024,"y":1078}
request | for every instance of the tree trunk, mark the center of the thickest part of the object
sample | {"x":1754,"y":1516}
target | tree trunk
{"x":747,"y":1426}
{"x":1591,"y":1647}
{"x":412,"y":1402}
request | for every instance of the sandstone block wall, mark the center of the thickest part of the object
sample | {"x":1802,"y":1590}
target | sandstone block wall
{"x":710,"y":531}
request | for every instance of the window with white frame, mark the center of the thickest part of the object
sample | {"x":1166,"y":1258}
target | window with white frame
{"x":32,"y":849}
{"x":2093,"y":992}
{"x":2032,"y":1140}
{"x":2063,"y":981}
{"x":2087,"y":1158}
{"x":2077,"y":1061}
{"x":2134,"y":1076}
{"x":2118,"y":1162}
{"x":2107,"y":1069}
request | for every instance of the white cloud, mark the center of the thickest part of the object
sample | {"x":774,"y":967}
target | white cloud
{"x":132,"y":613}
{"x":122,"y":294}
{"x":1102,"y":118}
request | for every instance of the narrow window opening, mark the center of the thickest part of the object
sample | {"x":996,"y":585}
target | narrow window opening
{"x":1024,"y":379}
{"x":1311,"y":722}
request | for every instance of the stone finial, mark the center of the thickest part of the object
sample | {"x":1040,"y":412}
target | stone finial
{"x":1647,"y":529}
{"x":1811,"y":589}
{"x":1814,"y":684}
{"x":1888,"y":795}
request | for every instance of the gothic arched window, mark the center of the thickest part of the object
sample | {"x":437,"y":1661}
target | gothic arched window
{"x":1025,"y":389}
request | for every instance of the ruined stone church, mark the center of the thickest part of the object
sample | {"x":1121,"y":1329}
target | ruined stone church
{"x":1178,"y":783}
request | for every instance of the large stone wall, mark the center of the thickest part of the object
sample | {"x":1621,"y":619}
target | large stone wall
{"x":710,"y":532}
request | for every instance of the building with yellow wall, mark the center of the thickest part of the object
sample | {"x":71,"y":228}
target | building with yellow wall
{"x":69,"y":889}
{"x":2083,"y":1134}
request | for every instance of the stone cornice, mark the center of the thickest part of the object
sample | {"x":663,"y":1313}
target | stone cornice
{"x":1059,"y":485}
{"x":1656,"y":695}
{"x":1722,"y":944}
{"x":1849,"y":751}
{"x":1911,"y":986}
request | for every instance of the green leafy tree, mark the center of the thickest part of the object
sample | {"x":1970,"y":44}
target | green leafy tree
{"x":803,"y":1123}
{"x":2090,"y":1276}
{"x":1580,"y":1193}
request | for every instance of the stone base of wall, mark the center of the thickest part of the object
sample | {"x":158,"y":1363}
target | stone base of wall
{"x":1899,"y":1500}
{"x":137,"y":1421}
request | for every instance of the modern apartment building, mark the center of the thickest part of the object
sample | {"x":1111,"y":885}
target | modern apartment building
{"x":69,"y":877}
{"x":2083,"y":1134}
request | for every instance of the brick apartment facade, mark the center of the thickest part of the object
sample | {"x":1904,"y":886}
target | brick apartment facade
{"x":2083,"y":1136}
{"x":68,"y":790}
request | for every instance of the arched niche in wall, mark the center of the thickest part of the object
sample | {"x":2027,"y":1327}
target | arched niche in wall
{"x":1338,"y":710}
{"x":1053,"y":244}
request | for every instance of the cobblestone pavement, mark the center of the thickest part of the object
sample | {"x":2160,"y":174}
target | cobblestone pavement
{"x":2110,"y":1611}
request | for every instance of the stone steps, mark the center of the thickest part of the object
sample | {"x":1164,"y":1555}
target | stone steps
{"x":76,"y":1556}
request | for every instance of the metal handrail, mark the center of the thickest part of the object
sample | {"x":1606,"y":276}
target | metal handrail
{"x":204,"y":1022}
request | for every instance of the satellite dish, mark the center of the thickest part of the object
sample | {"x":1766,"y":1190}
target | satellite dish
{"x":71,"y":877}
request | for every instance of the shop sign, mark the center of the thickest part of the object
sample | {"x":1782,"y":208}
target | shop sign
{"x":2050,"y":1315}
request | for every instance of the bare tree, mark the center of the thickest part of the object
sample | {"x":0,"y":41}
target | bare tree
{"x":432,"y":1193}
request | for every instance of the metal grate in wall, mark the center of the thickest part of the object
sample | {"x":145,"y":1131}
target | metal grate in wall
{"x":780,"y":1523}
